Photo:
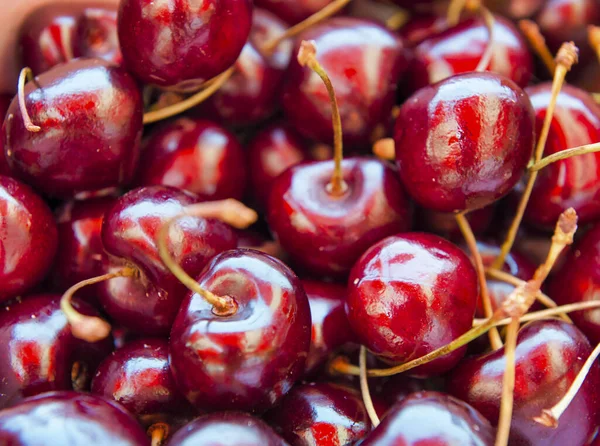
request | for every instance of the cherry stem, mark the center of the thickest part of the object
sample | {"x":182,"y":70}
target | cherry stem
{"x":550,"y":417}
{"x":565,"y":59}
{"x":594,"y":39}
{"x":397,"y":20}
{"x":455,"y":9}
{"x":385,"y":148}
{"x":324,"y":13}
{"x":510,"y":279}
{"x":78,"y":376}
{"x":364,"y":387}
{"x":158,"y":433}
{"x":229,"y":211}
{"x":508,"y":384}
{"x":537,"y":42}
{"x":574,"y":151}
{"x":307,"y":56}
{"x":89,"y":328}
{"x":167,"y":112}
{"x":467,"y":232}
{"x":25,"y":74}
{"x":489,"y":21}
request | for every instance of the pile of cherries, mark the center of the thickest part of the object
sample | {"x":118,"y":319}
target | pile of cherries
{"x":187,"y":256}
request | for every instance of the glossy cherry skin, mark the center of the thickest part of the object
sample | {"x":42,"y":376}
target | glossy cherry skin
{"x":421,"y":27}
{"x":138,"y":377}
{"x":183,"y":43}
{"x":196,"y":155}
{"x":95,"y":35}
{"x":247,"y":361}
{"x":330,"y":328}
{"x":432,"y":418}
{"x":571,"y":182}
{"x":326,"y":234}
{"x":459,"y":49}
{"x":69,"y":418}
{"x":364,"y":61}
{"x":39,"y":351}
{"x":5,"y":100}
{"x":271,"y":152}
{"x":320,"y":414}
{"x":226,"y":429}
{"x":578,"y":280}
{"x":148,"y":304}
{"x":73,"y":153}
{"x":410,"y":294}
{"x":28,"y":238}
{"x":464,"y":142}
{"x":548,"y":356}
{"x":292,"y":11}
{"x":253,"y":92}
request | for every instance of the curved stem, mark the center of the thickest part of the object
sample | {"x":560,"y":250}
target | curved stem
{"x":565,"y":59}
{"x":489,"y":21}
{"x":230,"y":211}
{"x":89,"y":328}
{"x":574,"y":151}
{"x":385,"y":148}
{"x":594,"y":39}
{"x":175,"y":109}
{"x":467,"y":232}
{"x":455,"y":8}
{"x":508,"y":384}
{"x":397,"y":20}
{"x":536,"y":40}
{"x":364,"y":387}
{"x":25,"y":74}
{"x":307,"y":56}
{"x":158,"y":433}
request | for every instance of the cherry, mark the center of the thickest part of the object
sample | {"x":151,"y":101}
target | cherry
{"x":464,"y":142}
{"x":365,"y":62}
{"x":5,"y":100}
{"x":410,"y":294}
{"x":271,"y":152}
{"x":570,"y":182}
{"x":226,"y":429}
{"x":95,"y":35}
{"x":460,"y":48}
{"x":397,"y":388}
{"x":196,"y":155}
{"x":250,"y":359}
{"x":28,"y":238}
{"x":138,"y":377}
{"x":182,"y":44}
{"x":548,"y":356}
{"x":428,"y":418}
{"x":293,"y":11}
{"x":40,"y":353}
{"x":148,"y":302}
{"x":516,"y":9}
{"x":69,"y":418}
{"x":330,"y":328}
{"x":64,"y":150}
{"x":421,"y":27}
{"x":320,"y":414}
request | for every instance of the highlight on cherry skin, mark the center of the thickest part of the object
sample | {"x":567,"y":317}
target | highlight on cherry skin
{"x":300,"y":223}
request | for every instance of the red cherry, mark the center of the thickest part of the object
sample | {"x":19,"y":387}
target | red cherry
{"x":365,"y":62}
{"x":421,"y":27}
{"x":5,"y":100}
{"x":196,"y":155}
{"x":444,"y":223}
{"x":182,"y":44}
{"x":548,"y":356}
{"x":28,"y":238}
{"x":249,"y":360}
{"x":293,"y":11}
{"x":464,"y":142}
{"x":409,"y":295}
{"x":90,"y":119}
{"x":95,"y":35}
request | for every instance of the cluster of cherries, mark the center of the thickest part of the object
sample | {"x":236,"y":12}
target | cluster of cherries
{"x":347,"y":301}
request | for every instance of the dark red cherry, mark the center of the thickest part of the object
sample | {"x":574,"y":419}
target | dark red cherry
{"x":39,"y":352}
{"x":184,"y":43}
{"x":464,"y":142}
{"x":571,"y":182}
{"x":226,"y":429}
{"x":330,"y":328}
{"x":320,"y":414}
{"x":292,"y":11}
{"x":397,"y":387}
{"x":516,"y":9}
{"x":460,"y":48}
{"x":5,"y":100}
{"x":364,"y":61}
{"x":138,"y":377}
{"x":69,"y":418}
{"x":148,"y":303}
{"x":444,"y":223}
{"x":549,"y":355}
{"x":90,"y":119}
{"x":196,"y":155}
{"x":325,"y":234}
{"x":409,"y":295}
{"x":270,"y":152}
{"x":95,"y":35}
{"x":432,"y":418}
{"x":27,"y":238}
{"x":421,"y":27}
{"x":253,"y":92}
{"x":249,"y":360}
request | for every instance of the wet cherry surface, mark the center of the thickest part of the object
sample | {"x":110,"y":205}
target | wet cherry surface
{"x":95,"y":35}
